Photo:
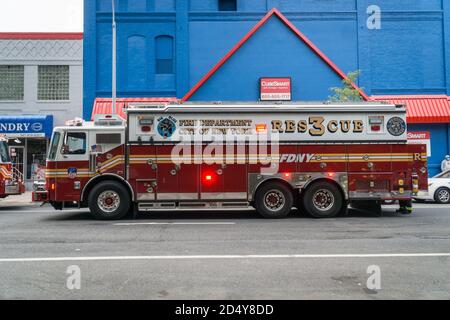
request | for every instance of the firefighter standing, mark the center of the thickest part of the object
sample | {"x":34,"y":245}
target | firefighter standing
{"x":405,"y":207}
{"x":445,"y":164}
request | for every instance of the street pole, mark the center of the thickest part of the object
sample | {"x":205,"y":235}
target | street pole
{"x":114,"y":59}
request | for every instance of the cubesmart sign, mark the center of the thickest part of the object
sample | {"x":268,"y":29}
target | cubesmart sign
{"x":272,"y":89}
{"x":26,"y":126}
{"x":420,"y":137}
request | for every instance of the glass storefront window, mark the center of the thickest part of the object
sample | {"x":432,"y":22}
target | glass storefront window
{"x":4,"y":152}
{"x":36,"y":154}
{"x":17,"y":153}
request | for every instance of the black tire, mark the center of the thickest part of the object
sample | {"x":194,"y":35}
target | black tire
{"x":332,"y":204}
{"x":109,"y":190}
{"x":442,"y":195}
{"x":274,"y":200}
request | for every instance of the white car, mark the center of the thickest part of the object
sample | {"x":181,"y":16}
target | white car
{"x":438,"y":189}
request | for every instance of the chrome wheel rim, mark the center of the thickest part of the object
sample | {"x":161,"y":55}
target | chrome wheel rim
{"x":274,"y":200}
{"x":108,"y":201}
{"x":323,"y":200}
{"x":444,"y":196}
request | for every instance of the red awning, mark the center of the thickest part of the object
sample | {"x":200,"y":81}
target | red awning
{"x":104,"y":105}
{"x":422,"y":108}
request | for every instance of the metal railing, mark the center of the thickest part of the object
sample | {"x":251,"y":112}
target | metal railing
{"x":17,"y":175}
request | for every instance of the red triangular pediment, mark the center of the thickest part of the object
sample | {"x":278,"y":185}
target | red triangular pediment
{"x":290,"y":25}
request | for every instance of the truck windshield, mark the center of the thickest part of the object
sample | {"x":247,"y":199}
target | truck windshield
{"x":4,"y":154}
{"x":54,"y":146}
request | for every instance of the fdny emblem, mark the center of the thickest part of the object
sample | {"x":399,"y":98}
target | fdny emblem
{"x":396,"y":126}
{"x":301,"y":157}
{"x":167,"y":127}
{"x":72,"y":173}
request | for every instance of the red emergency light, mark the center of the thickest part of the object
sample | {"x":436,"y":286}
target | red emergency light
{"x":209,"y":177}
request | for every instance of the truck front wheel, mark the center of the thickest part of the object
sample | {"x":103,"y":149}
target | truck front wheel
{"x":109,"y":200}
{"x":322,"y":200}
{"x":274,"y":200}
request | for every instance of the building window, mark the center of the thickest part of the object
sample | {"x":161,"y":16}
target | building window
{"x":11,"y":82}
{"x":227,"y":5}
{"x":164,"y":55}
{"x":53,"y":83}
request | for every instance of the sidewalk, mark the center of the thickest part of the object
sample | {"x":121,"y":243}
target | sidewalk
{"x":23,"y":200}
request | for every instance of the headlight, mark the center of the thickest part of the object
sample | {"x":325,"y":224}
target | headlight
{"x":430,"y":184}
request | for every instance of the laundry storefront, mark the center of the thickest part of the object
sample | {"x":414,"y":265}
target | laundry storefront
{"x":28,"y":138}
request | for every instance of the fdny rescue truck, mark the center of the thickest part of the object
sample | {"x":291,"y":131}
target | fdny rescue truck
{"x":316,"y":157}
{"x":11,"y":180}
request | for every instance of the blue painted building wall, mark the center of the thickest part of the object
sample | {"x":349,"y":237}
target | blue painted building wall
{"x":410,"y":54}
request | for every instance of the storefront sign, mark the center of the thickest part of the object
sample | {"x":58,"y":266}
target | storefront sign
{"x":420,"y":137}
{"x":26,"y":126}
{"x":275,"y":89}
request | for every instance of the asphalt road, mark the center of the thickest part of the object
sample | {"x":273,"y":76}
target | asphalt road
{"x":224,"y":255}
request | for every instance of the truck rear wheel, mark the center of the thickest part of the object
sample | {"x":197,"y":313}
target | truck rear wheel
{"x":274,"y":200}
{"x":322,"y":200}
{"x":109,"y":200}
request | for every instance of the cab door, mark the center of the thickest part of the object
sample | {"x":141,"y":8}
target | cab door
{"x":72,"y":166}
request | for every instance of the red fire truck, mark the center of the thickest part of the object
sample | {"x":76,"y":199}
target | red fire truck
{"x":316,"y":157}
{"x":11,"y":181}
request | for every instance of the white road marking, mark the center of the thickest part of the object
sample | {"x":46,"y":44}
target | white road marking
{"x":420,"y":206}
{"x":173,"y":223}
{"x":218,"y":257}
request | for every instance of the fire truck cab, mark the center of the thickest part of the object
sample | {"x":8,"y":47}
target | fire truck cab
{"x":11,"y":180}
{"x":316,"y":157}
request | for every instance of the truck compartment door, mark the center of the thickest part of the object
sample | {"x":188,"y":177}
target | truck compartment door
{"x":142,"y":171}
{"x":235,"y":172}
{"x":212,"y":172}
{"x":370,"y":171}
{"x":369,"y":158}
{"x":322,"y":158}
{"x":167,"y":174}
